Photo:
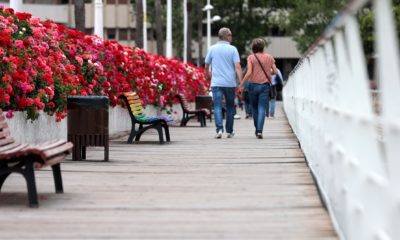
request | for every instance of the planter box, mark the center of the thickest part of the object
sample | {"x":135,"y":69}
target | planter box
{"x":46,"y":128}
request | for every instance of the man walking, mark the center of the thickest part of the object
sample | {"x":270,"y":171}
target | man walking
{"x":225,"y":67}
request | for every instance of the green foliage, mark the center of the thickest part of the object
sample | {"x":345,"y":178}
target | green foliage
{"x":307,"y":20}
{"x":366,"y":19}
{"x":249,"y":21}
{"x":24,"y":30}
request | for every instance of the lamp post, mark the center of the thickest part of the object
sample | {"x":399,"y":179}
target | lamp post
{"x":210,"y":20}
{"x":169,"y":30}
{"x":185,"y":27}
{"x":208,"y":9}
{"x":215,"y":18}
{"x":144,"y":4}
{"x":98,"y":18}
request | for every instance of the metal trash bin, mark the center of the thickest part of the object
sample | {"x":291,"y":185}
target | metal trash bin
{"x":204,"y":101}
{"x":87,"y":124}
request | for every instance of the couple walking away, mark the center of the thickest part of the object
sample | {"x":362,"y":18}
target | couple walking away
{"x":224,"y":61}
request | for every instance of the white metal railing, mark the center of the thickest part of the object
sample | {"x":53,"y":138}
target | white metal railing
{"x":353,"y":152}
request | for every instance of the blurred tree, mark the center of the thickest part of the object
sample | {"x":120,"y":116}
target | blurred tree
{"x":159,"y":27}
{"x":199,"y":28}
{"x":139,"y":23}
{"x":307,"y":20}
{"x":366,"y":17}
{"x":189,"y":31}
{"x":248,"y":19}
{"x":80,"y":15}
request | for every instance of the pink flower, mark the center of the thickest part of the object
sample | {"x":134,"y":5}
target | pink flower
{"x":19,"y":44}
{"x":79,"y":59}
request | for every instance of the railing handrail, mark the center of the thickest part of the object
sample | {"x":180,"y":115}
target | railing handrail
{"x":352,"y":151}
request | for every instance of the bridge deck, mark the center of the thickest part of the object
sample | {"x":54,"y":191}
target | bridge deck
{"x":195,"y":187}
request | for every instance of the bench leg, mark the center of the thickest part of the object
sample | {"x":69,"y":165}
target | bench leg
{"x":29,"y":175}
{"x":185,"y":119}
{"x":3,"y":174}
{"x":202,"y":117}
{"x":132,"y":134}
{"x":160,"y":134}
{"x":166,"y":129}
{"x":57,"y":178}
{"x":3,"y":179}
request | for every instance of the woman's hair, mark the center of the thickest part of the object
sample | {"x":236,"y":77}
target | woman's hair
{"x":257,"y":45}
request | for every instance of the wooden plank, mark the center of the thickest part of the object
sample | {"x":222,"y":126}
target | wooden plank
{"x":195,"y":187}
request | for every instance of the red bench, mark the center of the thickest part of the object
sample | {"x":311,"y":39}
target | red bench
{"x":24,"y":158}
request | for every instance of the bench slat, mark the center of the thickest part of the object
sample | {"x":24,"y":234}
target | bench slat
{"x":4,"y":133}
{"x":6,"y":141}
{"x":64,"y":149}
{"x":3,"y":125}
{"x":50,"y":144}
{"x":55,"y":160}
{"x":14,"y":150}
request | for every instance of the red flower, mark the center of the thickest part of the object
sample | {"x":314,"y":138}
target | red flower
{"x":9,"y":10}
{"x":22,"y":103}
{"x":22,"y":16}
{"x":5,"y":39}
{"x":6,"y":98}
{"x":29,"y":102}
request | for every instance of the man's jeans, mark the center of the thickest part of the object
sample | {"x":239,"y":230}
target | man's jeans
{"x":259,"y":96}
{"x":229,"y":94}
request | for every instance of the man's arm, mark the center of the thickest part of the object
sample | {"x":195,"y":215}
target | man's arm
{"x":207,"y":69}
{"x":239,"y":73}
{"x":246,"y":76}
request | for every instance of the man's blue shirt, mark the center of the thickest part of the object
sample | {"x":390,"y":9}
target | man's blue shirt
{"x":222,"y":57}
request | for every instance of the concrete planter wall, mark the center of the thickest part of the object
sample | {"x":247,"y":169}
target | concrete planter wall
{"x":46,"y":128}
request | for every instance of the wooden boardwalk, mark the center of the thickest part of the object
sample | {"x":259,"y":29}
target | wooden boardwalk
{"x":195,"y":187}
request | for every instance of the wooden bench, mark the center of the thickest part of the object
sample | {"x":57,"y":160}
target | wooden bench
{"x":188,"y":114}
{"x":136,"y":112}
{"x":24,"y":158}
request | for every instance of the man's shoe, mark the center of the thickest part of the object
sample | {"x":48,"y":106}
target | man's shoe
{"x":230,"y":135}
{"x":219,"y":134}
{"x":259,"y":135}
{"x":237,"y":116}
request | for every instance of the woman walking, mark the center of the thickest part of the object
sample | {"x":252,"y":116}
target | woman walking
{"x":260,"y":67}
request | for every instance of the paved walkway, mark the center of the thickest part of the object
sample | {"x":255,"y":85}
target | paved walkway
{"x":195,"y":187}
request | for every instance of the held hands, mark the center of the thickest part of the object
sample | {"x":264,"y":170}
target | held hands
{"x":241,"y":88}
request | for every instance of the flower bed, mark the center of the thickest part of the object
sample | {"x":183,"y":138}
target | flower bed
{"x":44,"y":62}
